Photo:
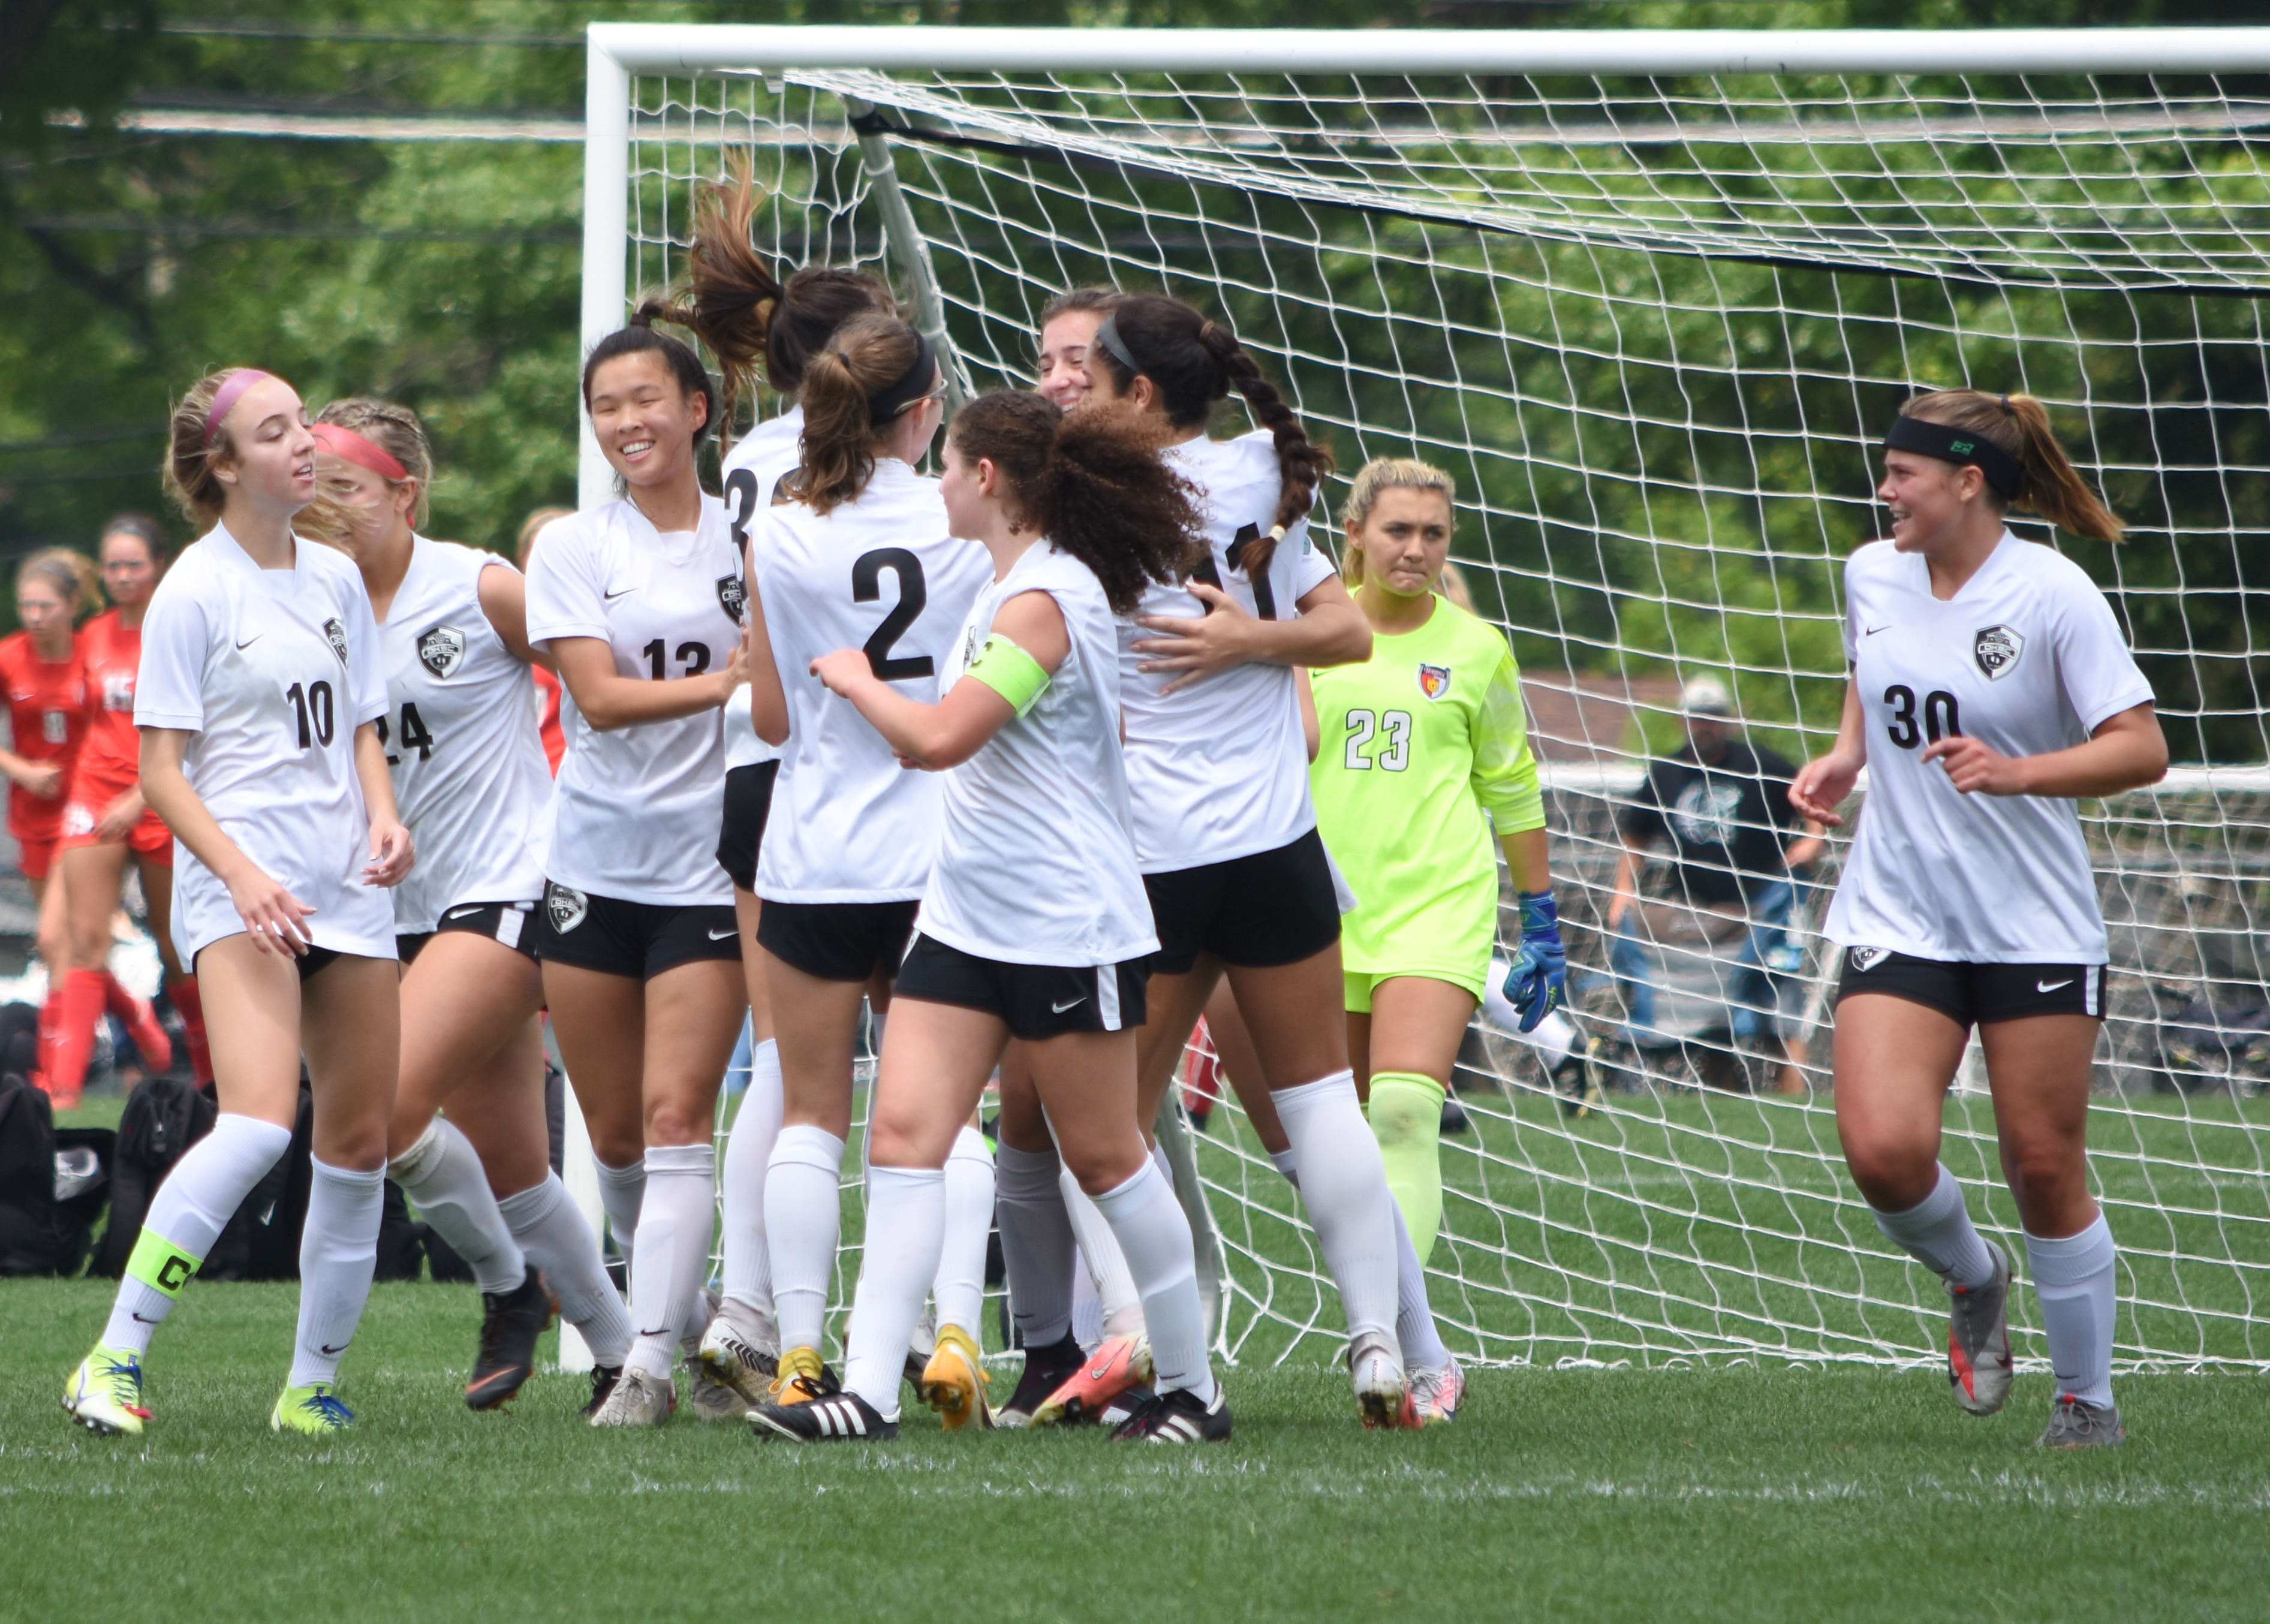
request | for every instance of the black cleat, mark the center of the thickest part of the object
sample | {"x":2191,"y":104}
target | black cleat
{"x":1177,"y":1417}
{"x":839,"y":1417}
{"x":604,"y":1378}
{"x":510,"y":1323}
{"x":1454,"y":1116}
{"x":1046,"y":1369}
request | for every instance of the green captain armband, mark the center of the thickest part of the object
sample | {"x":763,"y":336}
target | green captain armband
{"x":1010,"y":672}
{"x":161,"y":1264}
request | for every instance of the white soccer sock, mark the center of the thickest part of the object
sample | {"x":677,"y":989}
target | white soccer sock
{"x":186,"y":1216}
{"x":441,"y":1173}
{"x":1155,"y":1237}
{"x":1115,"y":1283}
{"x":1289,"y":1164}
{"x":959,"y":1286}
{"x":338,"y":1251}
{"x":552,"y":1234}
{"x":673,"y":1251}
{"x":802,"y":1216}
{"x":2074,"y":1277}
{"x":906,"y":1217}
{"x":748,"y":1276}
{"x":1937,"y":1231}
{"x":1343,"y":1185}
{"x":1158,"y":1160}
{"x":1036,"y":1244}
{"x":620,"y":1190}
{"x":1414,"y":1315}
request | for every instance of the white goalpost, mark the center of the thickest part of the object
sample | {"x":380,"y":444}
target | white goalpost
{"x":1652,"y":298}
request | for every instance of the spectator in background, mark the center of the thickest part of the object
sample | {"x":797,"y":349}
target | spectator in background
{"x":1722,"y":806}
{"x":547,"y":680}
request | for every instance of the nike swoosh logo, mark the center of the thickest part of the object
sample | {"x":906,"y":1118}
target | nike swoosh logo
{"x":143,"y":1319}
{"x":664,"y":1332}
{"x":248,"y":642}
{"x":1058,"y":1009}
{"x":459,"y":913}
{"x":2052,"y":986}
{"x":612,"y":596}
{"x":719,"y":936}
{"x":1873,"y":630}
{"x":332,"y":1352}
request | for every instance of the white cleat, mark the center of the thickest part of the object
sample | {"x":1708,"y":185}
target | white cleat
{"x":1376,"y":1367}
{"x":638,"y":1400}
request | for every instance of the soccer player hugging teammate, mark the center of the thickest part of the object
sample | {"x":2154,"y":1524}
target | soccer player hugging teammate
{"x":106,"y":820}
{"x":1991,"y":689}
{"x":857,"y":553}
{"x":1225,"y":832}
{"x":641,"y":602}
{"x":1034,"y":924}
{"x":1424,"y":753}
{"x":473,"y":787}
{"x":260,"y":692}
{"x":757,"y":324}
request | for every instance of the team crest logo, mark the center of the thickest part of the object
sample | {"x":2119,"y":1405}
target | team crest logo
{"x":1867,"y":959}
{"x":566,"y":907}
{"x":1997,"y":651}
{"x":733,"y":596}
{"x":1434,"y":680}
{"x":442,"y":649}
{"x":335,"y":635}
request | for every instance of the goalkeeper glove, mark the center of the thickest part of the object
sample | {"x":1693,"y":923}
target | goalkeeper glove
{"x":1536,"y":984}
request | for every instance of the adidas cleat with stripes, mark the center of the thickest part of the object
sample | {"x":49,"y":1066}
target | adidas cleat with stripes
{"x":1177,"y":1417}
{"x":837,"y":1418}
{"x":1118,"y":1364}
{"x":314,"y":1410}
{"x":104,"y":1395}
{"x":1978,"y":1340}
{"x":953,"y":1381}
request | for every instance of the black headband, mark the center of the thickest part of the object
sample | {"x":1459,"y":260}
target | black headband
{"x":1108,"y":336}
{"x":1959,"y":445}
{"x":919,"y":380}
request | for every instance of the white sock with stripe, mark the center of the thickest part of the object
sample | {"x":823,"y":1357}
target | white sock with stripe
{"x":802,"y":1216}
{"x":1037,"y":1243}
{"x":441,"y":1175}
{"x":1937,"y":1234}
{"x":906,"y":1224}
{"x":1106,"y":1266}
{"x":1156,"y":1239}
{"x":675,"y":1225}
{"x":748,"y":1275}
{"x":552,"y":1234}
{"x":620,"y":1192}
{"x":1344,"y":1186}
{"x":2074,"y":1278}
{"x":187,"y":1212}
{"x":960,"y":1287}
{"x":339,"y":1252}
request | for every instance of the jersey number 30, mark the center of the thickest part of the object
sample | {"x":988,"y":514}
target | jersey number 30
{"x":1941,"y":718}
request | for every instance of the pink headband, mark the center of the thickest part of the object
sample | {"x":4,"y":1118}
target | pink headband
{"x":231,"y":391}
{"x":364,"y":453}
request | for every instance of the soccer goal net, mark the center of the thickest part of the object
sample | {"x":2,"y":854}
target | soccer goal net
{"x":1652,"y":300}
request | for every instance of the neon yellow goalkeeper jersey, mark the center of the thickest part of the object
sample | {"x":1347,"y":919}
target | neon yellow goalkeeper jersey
{"x":1421,"y":749}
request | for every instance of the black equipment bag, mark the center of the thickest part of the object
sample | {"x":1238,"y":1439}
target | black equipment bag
{"x":163,"y":1117}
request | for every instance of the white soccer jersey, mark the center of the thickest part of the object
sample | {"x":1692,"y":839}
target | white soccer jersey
{"x":636,"y":810}
{"x":1036,"y":846}
{"x":849,"y":823}
{"x":272,"y":670}
{"x":1221,"y":769}
{"x":470,"y":776}
{"x":2027,"y":658}
{"x":755,"y":465}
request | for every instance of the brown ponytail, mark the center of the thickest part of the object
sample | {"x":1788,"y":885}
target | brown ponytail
{"x":1093,"y":483}
{"x":1194,"y":362}
{"x":867,"y":355}
{"x":2020,"y":425}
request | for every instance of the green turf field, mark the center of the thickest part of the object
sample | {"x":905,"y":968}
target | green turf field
{"x":1741,"y":1494}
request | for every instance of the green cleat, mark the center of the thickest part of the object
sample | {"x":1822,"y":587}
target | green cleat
{"x":314,"y":1410}
{"x":104,"y":1395}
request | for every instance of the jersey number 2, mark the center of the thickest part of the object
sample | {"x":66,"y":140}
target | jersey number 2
{"x":867,"y":587}
{"x":414,"y":736}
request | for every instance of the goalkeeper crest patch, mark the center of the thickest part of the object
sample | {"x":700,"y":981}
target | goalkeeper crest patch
{"x":1434,"y":680}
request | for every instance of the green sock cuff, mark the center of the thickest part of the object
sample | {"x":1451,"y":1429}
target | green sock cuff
{"x":161,"y":1264}
{"x":1393,"y":1080}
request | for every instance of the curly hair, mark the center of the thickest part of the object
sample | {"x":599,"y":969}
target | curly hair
{"x":1093,"y":483}
{"x":1194,"y":362}
{"x":2020,"y":425}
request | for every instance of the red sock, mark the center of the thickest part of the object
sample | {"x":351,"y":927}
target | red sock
{"x":141,"y":1023}
{"x":65,"y":1045}
{"x":184,"y":994}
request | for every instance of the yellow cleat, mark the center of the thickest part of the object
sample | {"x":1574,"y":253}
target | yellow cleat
{"x":953,"y":1383}
{"x":801,"y":1378}
{"x":104,"y":1395}
{"x":314,"y":1410}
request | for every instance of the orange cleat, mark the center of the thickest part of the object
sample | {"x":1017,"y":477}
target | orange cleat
{"x":1118,"y":1364}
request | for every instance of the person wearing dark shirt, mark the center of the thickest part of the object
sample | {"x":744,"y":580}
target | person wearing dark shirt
{"x":1722,"y":807}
